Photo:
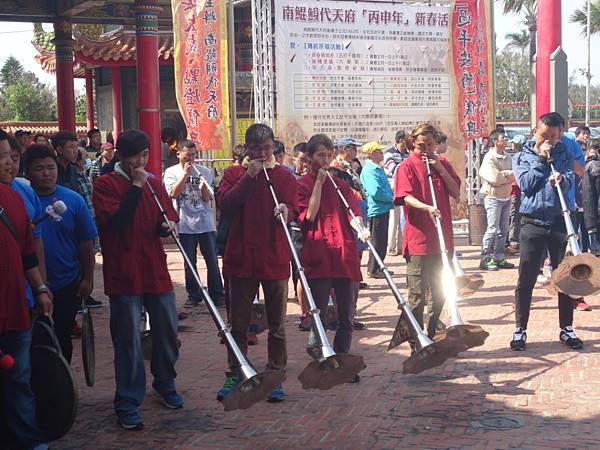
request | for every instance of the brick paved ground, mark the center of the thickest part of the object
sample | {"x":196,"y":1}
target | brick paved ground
{"x":488,"y":398}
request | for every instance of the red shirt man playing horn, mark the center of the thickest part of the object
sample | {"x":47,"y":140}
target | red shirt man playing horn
{"x":136,"y":275}
{"x":257,"y":251}
{"x":329,"y":254}
{"x":421,"y":247}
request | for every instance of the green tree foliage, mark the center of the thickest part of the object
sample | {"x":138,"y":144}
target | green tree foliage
{"x":80,"y":106}
{"x":22,"y":96}
{"x":518,"y":41}
{"x":577,"y":97}
{"x":528,"y":10}
{"x":512,"y":84}
{"x":26,"y":101}
{"x":580,"y":16}
{"x":11,"y":72}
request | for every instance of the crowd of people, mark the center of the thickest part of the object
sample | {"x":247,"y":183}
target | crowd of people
{"x":112,"y":207}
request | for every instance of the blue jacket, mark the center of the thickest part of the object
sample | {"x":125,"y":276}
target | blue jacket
{"x":380,"y":198}
{"x":539,"y":199}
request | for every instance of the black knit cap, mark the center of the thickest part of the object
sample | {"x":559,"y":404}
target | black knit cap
{"x":132,"y":142}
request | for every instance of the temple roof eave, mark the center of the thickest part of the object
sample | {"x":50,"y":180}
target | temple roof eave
{"x":115,"y":48}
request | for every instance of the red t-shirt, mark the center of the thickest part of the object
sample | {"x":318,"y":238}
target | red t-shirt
{"x":256,"y":244}
{"x":329,"y":249}
{"x":14,"y":314}
{"x":420,"y":236}
{"x":134,"y":260}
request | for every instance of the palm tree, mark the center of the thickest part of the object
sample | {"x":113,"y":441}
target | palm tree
{"x":529,"y":9}
{"x":519,"y":41}
{"x":580,"y":16}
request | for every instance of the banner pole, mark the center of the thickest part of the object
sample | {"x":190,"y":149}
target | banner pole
{"x":232,"y":82}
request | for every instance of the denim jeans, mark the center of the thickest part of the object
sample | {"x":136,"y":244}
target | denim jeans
{"x":498,"y":216}
{"x":515,"y":220}
{"x":208,"y":248}
{"x":17,"y":399}
{"x":395,"y":231}
{"x":130,"y":377}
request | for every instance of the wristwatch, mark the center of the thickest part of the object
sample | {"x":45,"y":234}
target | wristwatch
{"x":41,"y":289}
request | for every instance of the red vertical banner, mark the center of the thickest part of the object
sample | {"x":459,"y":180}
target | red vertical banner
{"x":471,"y":43}
{"x":200,"y":59}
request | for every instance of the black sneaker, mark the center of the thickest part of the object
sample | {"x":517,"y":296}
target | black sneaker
{"x":488,"y":264}
{"x":504,"y":264}
{"x":219,"y":302}
{"x":377,"y":275}
{"x":567,"y":336}
{"x":356,"y":325}
{"x":518,"y":340}
{"x":363,"y":285}
{"x":91,"y":302}
{"x":191,"y":303}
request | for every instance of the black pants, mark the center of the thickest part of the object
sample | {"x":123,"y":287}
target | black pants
{"x":580,"y":228}
{"x":66,"y":305}
{"x":345,"y":292}
{"x":378,"y":226}
{"x":534,"y":240}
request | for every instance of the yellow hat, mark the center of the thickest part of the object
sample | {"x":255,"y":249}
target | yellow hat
{"x":371,"y":147}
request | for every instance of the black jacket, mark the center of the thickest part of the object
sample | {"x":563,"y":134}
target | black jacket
{"x":591,"y":192}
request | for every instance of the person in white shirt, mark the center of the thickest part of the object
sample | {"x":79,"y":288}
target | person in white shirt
{"x":188,"y":184}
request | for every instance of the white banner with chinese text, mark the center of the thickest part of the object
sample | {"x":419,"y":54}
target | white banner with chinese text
{"x":365,"y":70}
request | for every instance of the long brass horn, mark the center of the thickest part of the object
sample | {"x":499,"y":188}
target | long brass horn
{"x":576,"y":275}
{"x":204,"y":182}
{"x":468,"y":336}
{"x":331,"y":368}
{"x":427,"y":354}
{"x":255,"y":386}
{"x":466,"y":285}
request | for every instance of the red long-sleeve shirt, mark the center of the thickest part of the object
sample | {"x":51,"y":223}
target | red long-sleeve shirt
{"x":134,"y":260}
{"x":329,"y":249}
{"x":14,"y":314}
{"x":256,"y":245}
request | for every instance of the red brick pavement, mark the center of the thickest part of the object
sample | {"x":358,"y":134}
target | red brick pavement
{"x":487,"y":398}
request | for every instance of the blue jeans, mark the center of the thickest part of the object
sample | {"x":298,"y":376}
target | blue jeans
{"x":208,"y":248}
{"x":18,"y":401}
{"x":130,"y":377}
{"x":498,"y":217}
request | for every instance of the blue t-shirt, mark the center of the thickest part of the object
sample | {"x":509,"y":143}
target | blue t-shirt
{"x":34,"y":211}
{"x":62,"y":238}
{"x":31,"y":200}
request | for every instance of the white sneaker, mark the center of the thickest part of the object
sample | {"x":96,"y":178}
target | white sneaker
{"x":519,"y":339}
{"x":541,"y":278}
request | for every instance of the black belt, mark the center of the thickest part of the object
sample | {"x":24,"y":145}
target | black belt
{"x":528,"y":220}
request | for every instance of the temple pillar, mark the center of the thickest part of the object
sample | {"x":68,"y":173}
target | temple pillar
{"x":116,"y":102}
{"x":548,"y":41}
{"x":148,"y":81}
{"x":65,"y":92}
{"x":89,"y":99}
